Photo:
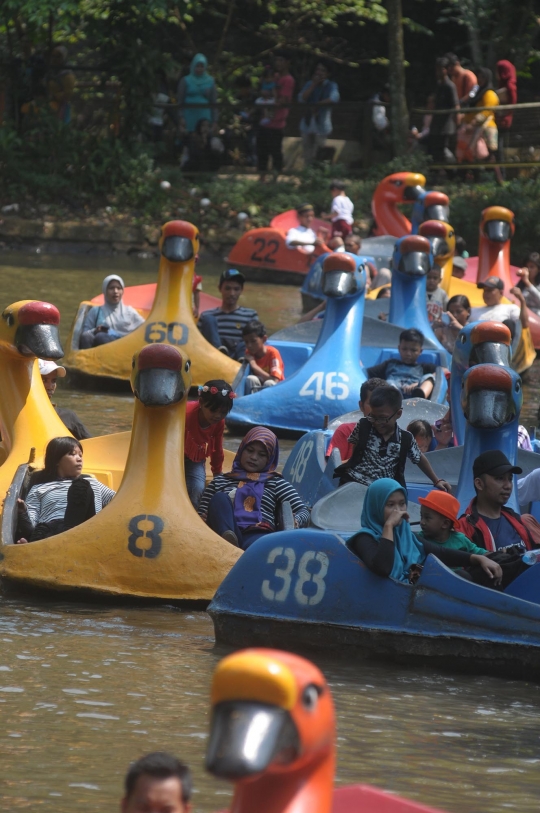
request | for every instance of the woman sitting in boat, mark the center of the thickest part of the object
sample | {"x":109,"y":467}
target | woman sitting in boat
{"x":388,"y":547}
{"x":241,"y":506}
{"x":112,"y":320}
{"x":60,"y":498}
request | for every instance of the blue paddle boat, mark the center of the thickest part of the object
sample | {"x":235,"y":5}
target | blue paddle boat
{"x":429,"y":206}
{"x":477,"y":343}
{"x":304,"y":589}
{"x":329,"y":382}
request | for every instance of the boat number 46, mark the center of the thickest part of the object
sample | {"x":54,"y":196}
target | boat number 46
{"x":333,"y":386}
{"x":309,"y":587}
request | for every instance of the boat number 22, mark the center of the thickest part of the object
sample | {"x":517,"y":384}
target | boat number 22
{"x":316,"y":561}
{"x":333,"y":386}
{"x":270,"y":246}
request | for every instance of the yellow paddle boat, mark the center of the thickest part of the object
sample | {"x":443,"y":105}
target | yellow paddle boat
{"x":28,"y":420}
{"x":149,"y":541}
{"x":169,"y":322}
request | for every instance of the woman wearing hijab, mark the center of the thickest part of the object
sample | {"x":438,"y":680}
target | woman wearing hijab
{"x":241,"y":506}
{"x":387,"y":545}
{"x":112,"y":320}
{"x":198,"y":87}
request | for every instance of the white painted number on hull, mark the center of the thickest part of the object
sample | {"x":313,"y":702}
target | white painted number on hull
{"x":298,"y":468}
{"x":330,"y":385}
{"x":304,"y":576}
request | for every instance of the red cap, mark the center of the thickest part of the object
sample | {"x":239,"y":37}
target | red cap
{"x":442,"y":502}
{"x":38,"y":313}
{"x":339,"y":262}
{"x":160,"y":357}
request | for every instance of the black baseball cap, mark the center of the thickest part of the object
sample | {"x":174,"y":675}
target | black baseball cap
{"x":495,"y":463}
{"x":492,"y":282}
{"x":232,"y":274}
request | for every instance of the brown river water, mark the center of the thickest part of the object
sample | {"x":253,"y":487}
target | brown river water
{"x":84,"y":689}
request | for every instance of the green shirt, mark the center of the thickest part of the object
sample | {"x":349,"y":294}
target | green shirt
{"x":458,"y":541}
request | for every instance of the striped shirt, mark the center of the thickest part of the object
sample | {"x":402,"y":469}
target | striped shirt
{"x":230,"y":325}
{"x":276,"y":491}
{"x":48,"y":501}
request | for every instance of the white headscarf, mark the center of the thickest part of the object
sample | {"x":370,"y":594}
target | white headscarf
{"x":119,"y":317}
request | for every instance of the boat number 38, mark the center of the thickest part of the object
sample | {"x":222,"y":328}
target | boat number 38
{"x":309,"y":586}
{"x":333,"y":386}
{"x":174,"y":333}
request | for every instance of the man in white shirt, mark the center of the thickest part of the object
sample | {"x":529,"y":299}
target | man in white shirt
{"x":303,"y":235}
{"x":494,"y":310}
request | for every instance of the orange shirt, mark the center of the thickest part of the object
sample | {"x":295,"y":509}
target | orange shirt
{"x":271,"y":362}
{"x":464,"y":83}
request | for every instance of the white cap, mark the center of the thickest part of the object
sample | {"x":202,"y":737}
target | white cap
{"x":47,"y":367}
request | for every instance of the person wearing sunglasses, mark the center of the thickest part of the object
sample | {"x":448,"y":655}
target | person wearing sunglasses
{"x":205,"y":422}
{"x":381,"y":448}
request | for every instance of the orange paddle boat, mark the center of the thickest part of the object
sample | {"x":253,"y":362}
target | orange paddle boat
{"x":263,"y":255}
{"x":272,"y":733}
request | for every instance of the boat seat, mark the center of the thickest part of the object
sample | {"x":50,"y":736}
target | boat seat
{"x":285,"y":517}
{"x":413,"y":409}
{"x":19,"y":488}
{"x":340,"y":510}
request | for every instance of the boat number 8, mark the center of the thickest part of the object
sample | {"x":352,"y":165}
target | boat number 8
{"x":174,"y":333}
{"x":152,"y":533}
{"x":311,"y":558}
{"x":330,"y":385}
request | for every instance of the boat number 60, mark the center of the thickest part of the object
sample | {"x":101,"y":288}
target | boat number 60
{"x":332,"y":385}
{"x":174,"y":333}
{"x":304,"y":576}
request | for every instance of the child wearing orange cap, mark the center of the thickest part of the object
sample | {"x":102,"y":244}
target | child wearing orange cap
{"x":438,"y":515}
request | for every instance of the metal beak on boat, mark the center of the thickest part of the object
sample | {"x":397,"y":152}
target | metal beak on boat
{"x":489,"y":409}
{"x":413,"y":192}
{"x":490,"y":353}
{"x":414,"y":264}
{"x":247,"y":737}
{"x":439,"y":247}
{"x":437,"y":212}
{"x":339,"y":283}
{"x":158,"y":387}
{"x":42,"y":341}
{"x":500,"y":231}
{"x":177,"y":249}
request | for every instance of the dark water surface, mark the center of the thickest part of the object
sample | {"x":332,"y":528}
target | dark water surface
{"x":85,"y":689}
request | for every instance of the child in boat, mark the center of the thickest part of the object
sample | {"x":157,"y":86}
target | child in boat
{"x":422,"y":433}
{"x":205,"y":422}
{"x":341,"y":211}
{"x":340,"y":438}
{"x":412,"y":378}
{"x":50,"y":373}
{"x":436,"y":297}
{"x":381,"y":448}
{"x":242,"y":506}
{"x":265,"y":361}
{"x":60,"y":497}
{"x":388,"y":547}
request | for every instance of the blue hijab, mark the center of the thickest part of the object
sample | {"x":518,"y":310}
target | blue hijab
{"x":198,"y":91}
{"x":408,"y":549}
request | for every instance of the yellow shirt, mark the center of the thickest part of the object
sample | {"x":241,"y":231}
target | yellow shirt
{"x":488,"y":99}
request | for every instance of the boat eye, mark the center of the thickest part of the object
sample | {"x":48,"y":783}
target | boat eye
{"x":463,"y":339}
{"x":9,"y":318}
{"x":518,"y":386}
{"x":187,"y":365}
{"x":310,"y":696}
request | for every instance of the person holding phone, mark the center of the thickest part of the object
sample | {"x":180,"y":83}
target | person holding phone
{"x":450,"y":322}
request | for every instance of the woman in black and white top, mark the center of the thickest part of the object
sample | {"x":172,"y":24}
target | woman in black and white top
{"x":60,"y":497}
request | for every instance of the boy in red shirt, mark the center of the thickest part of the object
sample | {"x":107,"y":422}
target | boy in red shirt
{"x":266,"y":364}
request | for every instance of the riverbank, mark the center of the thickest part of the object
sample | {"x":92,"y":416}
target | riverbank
{"x":224,"y":206}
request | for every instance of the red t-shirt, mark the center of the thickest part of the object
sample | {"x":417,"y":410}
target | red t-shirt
{"x":340,"y":440}
{"x":284,"y":91}
{"x":201,"y":443}
{"x":271,"y":362}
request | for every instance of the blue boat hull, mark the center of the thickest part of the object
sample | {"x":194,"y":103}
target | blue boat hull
{"x":305,"y":590}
